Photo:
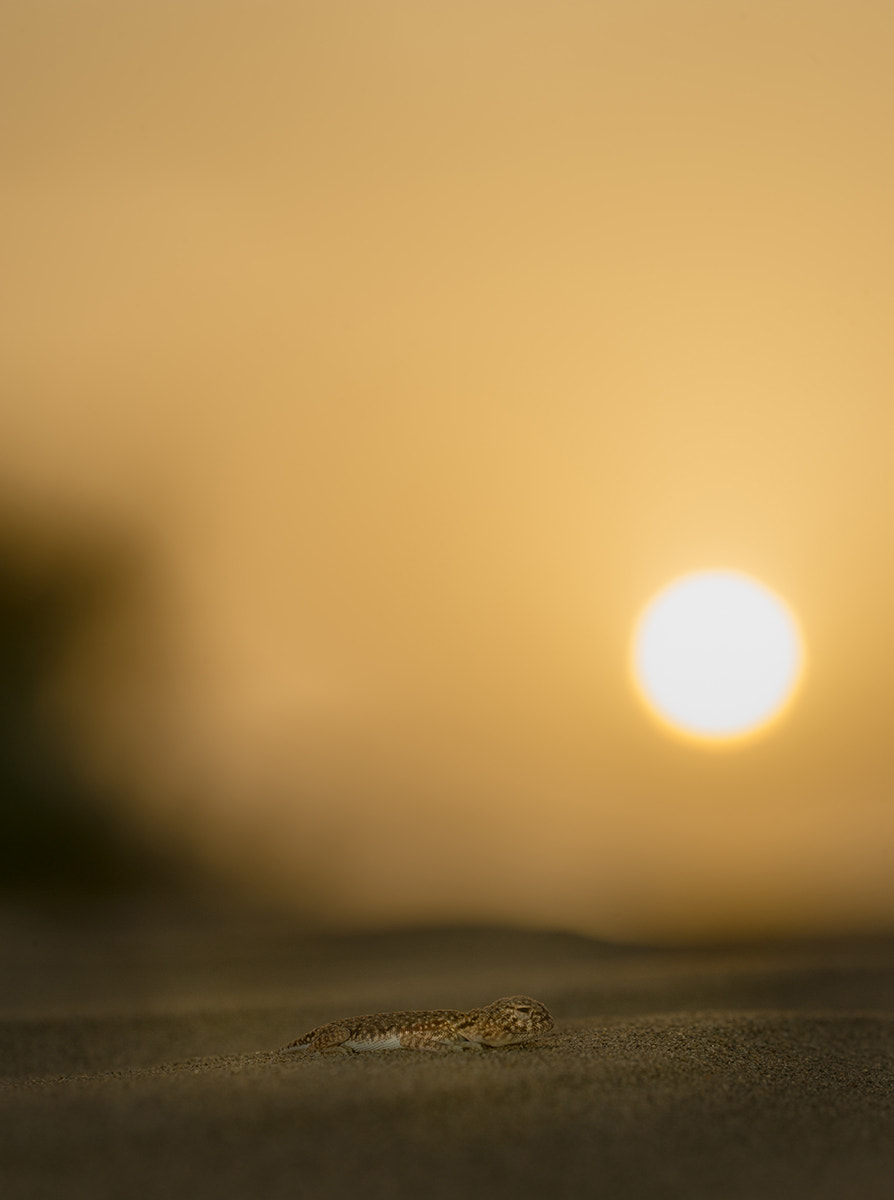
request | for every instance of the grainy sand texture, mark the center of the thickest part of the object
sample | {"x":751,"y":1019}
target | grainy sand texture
{"x":140,"y":1058}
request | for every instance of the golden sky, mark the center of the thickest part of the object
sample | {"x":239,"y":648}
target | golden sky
{"x":415,"y":344}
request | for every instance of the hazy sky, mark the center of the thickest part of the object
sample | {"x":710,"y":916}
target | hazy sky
{"x":416,"y":344}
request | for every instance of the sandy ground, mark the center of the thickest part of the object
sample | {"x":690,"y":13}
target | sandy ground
{"x":139,"y":1058}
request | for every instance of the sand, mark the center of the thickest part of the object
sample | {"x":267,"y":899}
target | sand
{"x":139,"y":1058}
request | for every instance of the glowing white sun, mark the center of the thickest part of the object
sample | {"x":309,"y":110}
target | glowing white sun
{"x":716,"y":654}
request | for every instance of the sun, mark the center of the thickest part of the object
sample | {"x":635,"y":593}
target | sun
{"x":717,"y":655}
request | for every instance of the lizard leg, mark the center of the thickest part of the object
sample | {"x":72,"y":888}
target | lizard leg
{"x":327,"y":1037}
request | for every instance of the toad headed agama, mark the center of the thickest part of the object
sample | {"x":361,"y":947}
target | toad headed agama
{"x":508,"y":1020}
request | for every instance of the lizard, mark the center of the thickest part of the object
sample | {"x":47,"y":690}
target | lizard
{"x":507,"y":1021}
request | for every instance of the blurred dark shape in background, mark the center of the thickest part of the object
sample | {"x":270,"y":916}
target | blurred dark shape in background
{"x":59,"y":839}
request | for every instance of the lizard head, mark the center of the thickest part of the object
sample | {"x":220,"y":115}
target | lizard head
{"x":513,"y":1019}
